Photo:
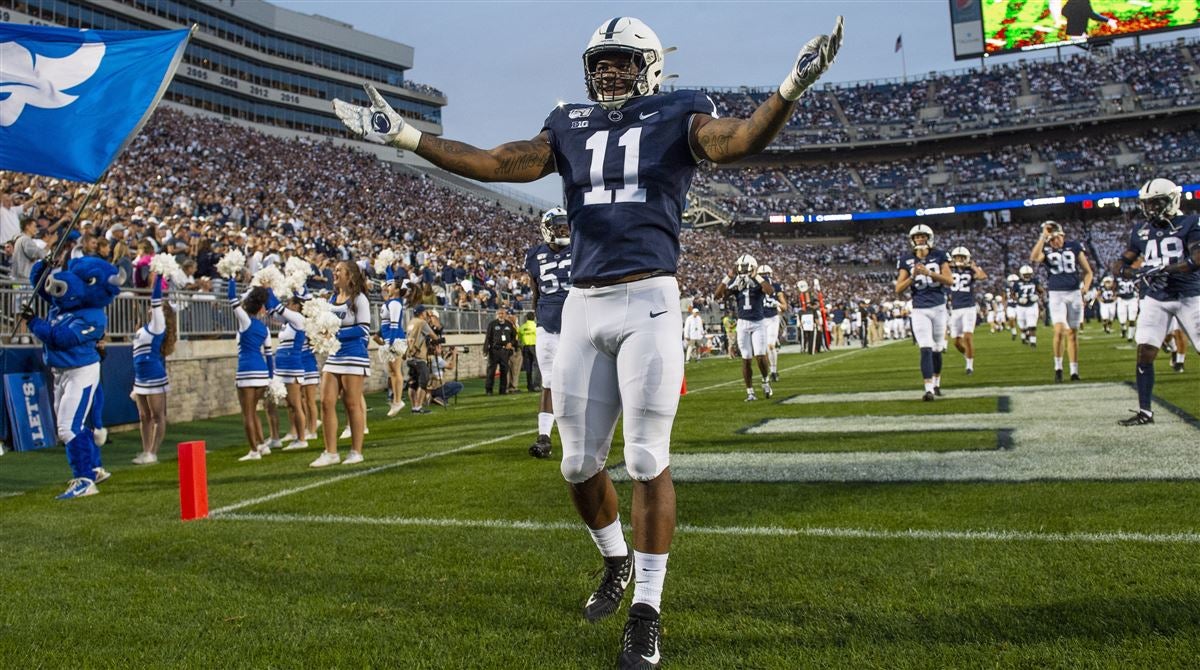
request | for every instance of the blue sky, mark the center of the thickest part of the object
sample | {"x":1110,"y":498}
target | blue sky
{"x":504,"y":65}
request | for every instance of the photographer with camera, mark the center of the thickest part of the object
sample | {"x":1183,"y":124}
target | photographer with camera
{"x":442,"y":390}
{"x":421,"y":339}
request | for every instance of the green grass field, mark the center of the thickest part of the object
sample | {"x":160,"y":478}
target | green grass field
{"x":452,"y":548}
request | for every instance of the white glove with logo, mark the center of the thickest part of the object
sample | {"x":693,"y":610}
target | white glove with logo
{"x":378,"y":123}
{"x":814,"y":59}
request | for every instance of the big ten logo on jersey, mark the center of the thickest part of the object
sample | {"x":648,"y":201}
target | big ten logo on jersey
{"x":579,"y":116}
{"x":553,"y":274}
{"x":1024,"y":439}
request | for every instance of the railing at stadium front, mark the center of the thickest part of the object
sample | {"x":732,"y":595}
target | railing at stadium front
{"x":203,"y":315}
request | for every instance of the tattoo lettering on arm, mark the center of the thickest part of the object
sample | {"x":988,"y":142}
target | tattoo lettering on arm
{"x":728,"y":140}
{"x":522,"y":161}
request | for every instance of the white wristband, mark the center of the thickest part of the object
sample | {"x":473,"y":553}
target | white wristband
{"x":408,"y":138}
{"x":790,"y":90}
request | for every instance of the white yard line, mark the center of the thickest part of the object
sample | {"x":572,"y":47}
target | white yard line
{"x":362,"y":473}
{"x":11,"y":494}
{"x":1112,"y":537}
{"x":806,"y":364}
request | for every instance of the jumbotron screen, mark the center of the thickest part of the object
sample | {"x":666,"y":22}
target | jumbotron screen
{"x":1023,"y":25}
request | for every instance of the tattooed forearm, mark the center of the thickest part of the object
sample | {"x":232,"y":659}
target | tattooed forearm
{"x":520,"y":161}
{"x":728,"y":140}
{"x":516,"y":161}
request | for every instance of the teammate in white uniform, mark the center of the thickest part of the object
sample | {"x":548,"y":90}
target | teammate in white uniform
{"x":626,"y":158}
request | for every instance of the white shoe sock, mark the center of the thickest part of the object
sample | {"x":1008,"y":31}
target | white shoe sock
{"x":610,"y":540}
{"x":1058,"y":362}
{"x":1074,"y":368}
{"x":545,"y":423}
{"x":650,"y":572}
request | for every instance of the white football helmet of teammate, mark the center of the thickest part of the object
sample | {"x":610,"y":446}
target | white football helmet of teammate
{"x":746,"y":264}
{"x":1026,"y":272}
{"x":1011,"y":278}
{"x":961,"y":256}
{"x":921,"y":229}
{"x":1107,"y":282}
{"x":554,"y":227}
{"x":765,"y":270}
{"x":631,"y":38}
{"x":1159,"y":199}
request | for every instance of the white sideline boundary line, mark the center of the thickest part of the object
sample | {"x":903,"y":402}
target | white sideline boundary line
{"x":362,"y":473}
{"x":11,"y":494}
{"x":1113,"y":537}
{"x":806,"y":364}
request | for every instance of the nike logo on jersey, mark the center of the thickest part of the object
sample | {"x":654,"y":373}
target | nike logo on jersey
{"x":655,"y":315}
{"x":643,"y":116}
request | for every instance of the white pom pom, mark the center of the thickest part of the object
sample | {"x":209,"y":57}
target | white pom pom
{"x":276,"y":391}
{"x":270,"y":277}
{"x":400,"y":346}
{"x":231,"y":263}
{"x":321,"y":326}
{"x":165,"y":266}
{"x":385,"y":355}
{"x":384,"y":260}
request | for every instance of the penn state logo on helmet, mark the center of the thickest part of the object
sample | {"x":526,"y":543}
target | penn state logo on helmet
{"x":921,"y":229}
{"x":1159,"y":200}
{"x":555,"y":227}
{"x":746,"y":264}
{"x":633,"y":58}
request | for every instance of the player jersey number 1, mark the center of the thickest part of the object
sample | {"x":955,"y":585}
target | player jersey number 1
{"x":598,"y":144}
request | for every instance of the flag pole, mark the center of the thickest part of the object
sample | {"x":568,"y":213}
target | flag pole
{"x":52,"y":257}
{"x":903,"y":64}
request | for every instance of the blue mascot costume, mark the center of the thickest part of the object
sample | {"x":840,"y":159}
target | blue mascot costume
{"x":76,"y":322}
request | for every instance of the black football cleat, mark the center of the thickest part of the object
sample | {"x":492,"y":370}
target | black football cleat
{"x":541,"y":447}
{"x":1058,"y":376}
{"x":1074,"y":376}
{"x":774,"y":376}
{"x":970,"y":371}
{"x":1139,"y":418}
{"x":639,"y":643}
{"x":606,"y":600}
{"x":1178,"y":367}
{"x":928,"y":397}
{"x":937,"y":390}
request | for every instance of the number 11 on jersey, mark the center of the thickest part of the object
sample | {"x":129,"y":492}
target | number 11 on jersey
{"x":598,"y":145}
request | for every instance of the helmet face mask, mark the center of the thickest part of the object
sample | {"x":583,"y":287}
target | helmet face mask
{"x":555,"y":227}
{"x":960,"y":257}
{"x":1159,"y":200}
{"x":746,"y":264}
{"x":623,"y":60}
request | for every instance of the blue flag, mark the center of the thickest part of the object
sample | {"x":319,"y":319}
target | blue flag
{"x":70,"y":100}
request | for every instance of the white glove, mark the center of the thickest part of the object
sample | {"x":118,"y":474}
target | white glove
{"x":378,"y":123}
{"x":812,"y":62}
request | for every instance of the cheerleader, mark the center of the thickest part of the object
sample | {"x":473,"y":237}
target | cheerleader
{"x":346,"y":370}
{"x":289,"y":367}
{"x":253,"y":373}
{"x":392,"y":337}
{"x":152,"y":343}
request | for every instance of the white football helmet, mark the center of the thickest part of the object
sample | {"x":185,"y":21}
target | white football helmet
{"x":1054,"y":228}
{"x":921,"y":229}
{"x":989,"y":297}
{"x":961,"y":256}
{"x":1026,"y":272}
{"x":746,"y":265}
{"x":1107,"y":282}
{"x":1159,"y":199}
{"x":555,"y":229}
{"x":1011,"y":278}
{"x":629,"y":36}
{"x":802,"y":286}
{"x":764,"y":270}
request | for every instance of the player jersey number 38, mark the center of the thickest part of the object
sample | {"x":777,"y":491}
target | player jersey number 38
{"x":626,"y":173}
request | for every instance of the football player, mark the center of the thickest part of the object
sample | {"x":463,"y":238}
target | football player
{"x":549,"y":267}
{"x":1010,"y":310}
{"x":1108,"y":303}
{"x":926,"y":271}
{"x":1026,"y":294}
{"x":964,"y":273}
{"x":1168,"y":242}
{"x":773,"y":304}
{"x":1127,"y":307}
{"x":750,"y":290}
{"x":626,"y":158}
{"x":1070,"y":277}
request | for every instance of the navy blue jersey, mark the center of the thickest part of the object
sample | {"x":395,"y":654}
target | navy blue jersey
{"x":1023,"y":292}
{"x":1126,"y":289}
{"x":625,"y":176}
{"x":552,"y":272}
{"x":771,"y":302}
{"x":749,"y":301}
{"x":1062,"y":266}
{"x":926,"y":291}
{"x":1165,"y":246}
{"x":963,"y":288}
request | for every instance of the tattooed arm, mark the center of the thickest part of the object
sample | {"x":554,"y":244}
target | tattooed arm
{"x":522,"y":161}
{"x":729,"y":140}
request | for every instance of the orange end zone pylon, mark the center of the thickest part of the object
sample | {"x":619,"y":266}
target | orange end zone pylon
{"x":193,"y":481}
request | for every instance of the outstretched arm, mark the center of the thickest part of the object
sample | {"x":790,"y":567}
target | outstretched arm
{"x":729,"y":140}
{"x":522,"y":161}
